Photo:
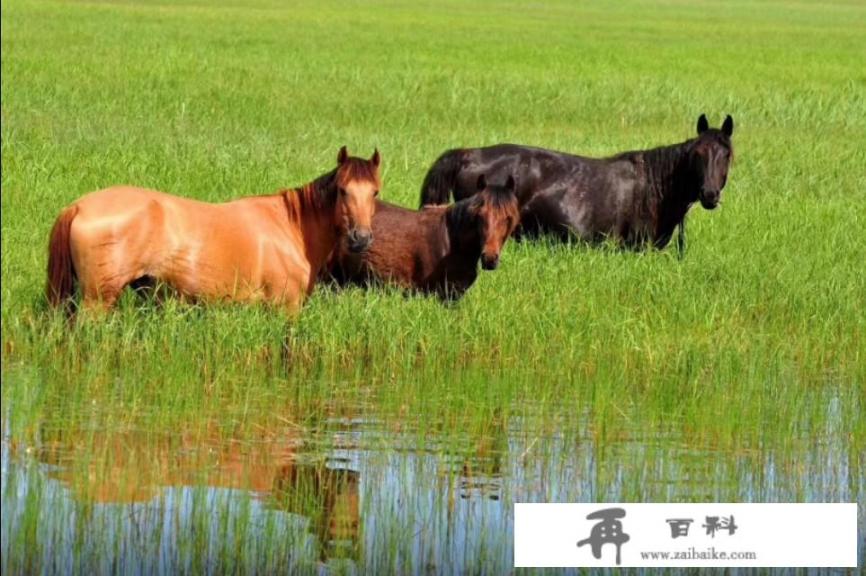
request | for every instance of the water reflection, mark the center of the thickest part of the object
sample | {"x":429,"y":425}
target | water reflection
{"x":129,"y":468}
{"x":357,"y":497}
{"x":333,"y":503}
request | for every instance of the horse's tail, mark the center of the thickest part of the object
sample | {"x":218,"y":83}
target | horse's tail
{"x":61,"y":271}
{"x":441,"y":178}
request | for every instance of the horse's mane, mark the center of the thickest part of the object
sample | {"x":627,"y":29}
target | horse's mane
{"x":314,"y":195}
{"x":500,"y":196}
{"x":321,"y":193}
{"x":663,"y":173}
{"x":663,"y":166}
{"x":463,"y":213}
{"x":659,"y":163}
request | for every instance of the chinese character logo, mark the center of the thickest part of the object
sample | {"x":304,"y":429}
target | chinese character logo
{"x":714,"y":524}
{"x":608,"y":530}
{"x":679,"y":526}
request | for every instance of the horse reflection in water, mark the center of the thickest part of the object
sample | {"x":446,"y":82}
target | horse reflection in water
{"x":481,"y":476}
{"x":480,"y":469}
{"x":134,"y":468}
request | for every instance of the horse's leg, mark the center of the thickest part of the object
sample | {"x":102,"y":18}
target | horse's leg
{"x":101,"y":285}
{"x":292,"y":298}
{"x":293,"y":305}
{"x":100,"y":298}
{"x":103,"y":262}
{"x":288,"y":291}
{"x":681,"y":240}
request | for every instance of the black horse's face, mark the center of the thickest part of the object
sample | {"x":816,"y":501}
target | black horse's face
{"x":711,"y":158}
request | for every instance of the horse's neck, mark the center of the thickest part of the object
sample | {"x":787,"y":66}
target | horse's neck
{"x":669,"y":175}
{"x":320,"y":239}
{"x":671,"y":185}
{"x":464,"y":246}
{"x":311,"y":208}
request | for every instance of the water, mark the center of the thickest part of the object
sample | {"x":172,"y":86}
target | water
{"x":358,"y":496}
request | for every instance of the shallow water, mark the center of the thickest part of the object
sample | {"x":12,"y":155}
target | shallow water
{"x":356,"y":496}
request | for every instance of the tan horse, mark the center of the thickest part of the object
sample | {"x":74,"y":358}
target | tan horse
{"x":258,"y":248}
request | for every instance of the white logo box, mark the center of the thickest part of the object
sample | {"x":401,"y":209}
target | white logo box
{"x":753,"y":535}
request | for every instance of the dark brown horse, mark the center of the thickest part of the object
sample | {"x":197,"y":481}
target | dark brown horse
{"x":637,"y":198}
{"x":259,"y":248}
{"x":436,"y":249}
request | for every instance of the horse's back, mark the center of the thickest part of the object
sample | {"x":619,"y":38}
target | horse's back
{"x":562,"y":193}
{"x":124,"y":198}
{"x":111,"y":211}
{"x":128,"y":214}
{"x":404,"y":240}
{"x":523,"y":154}
{"x":135,"y":231}
{"x":533,"y":168}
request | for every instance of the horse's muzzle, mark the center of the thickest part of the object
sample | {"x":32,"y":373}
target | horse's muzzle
{"x":489,"y":262}
{"x":359,"y":240}
{"x":710,"y":199}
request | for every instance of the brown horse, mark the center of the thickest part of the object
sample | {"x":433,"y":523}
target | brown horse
{"x":258,"y":248}
{"x":436,"y":249}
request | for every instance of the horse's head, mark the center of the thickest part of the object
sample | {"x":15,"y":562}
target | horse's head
{"x":710,"y":157}
{"x":497,"y":215}
{"x":358,"y":184}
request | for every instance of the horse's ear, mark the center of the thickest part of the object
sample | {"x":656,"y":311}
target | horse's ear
{"x":342,"y":155}
{"x":375,"y":158}
{"x":728,"y":126}
{"x":482,"y":182}
{"x":703,"y":125}
{"x":510,"y":184}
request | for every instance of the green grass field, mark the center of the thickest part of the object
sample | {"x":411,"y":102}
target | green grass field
{"x":571,"y":373}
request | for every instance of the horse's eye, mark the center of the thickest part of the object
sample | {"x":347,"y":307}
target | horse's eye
{"x":342,"y":191}
{"x":375,"y":193}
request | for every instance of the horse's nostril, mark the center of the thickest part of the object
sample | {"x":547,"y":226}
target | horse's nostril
{"x":359,"y":240}
{"x":710,"y":198}
{"x":490,"y":262}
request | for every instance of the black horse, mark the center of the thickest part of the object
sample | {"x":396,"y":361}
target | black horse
{"x":637,"y":198}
